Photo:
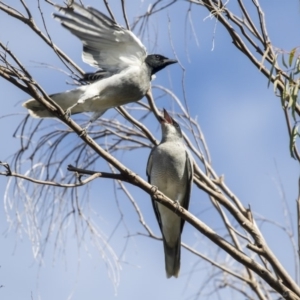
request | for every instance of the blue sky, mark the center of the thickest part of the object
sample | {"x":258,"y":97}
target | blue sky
{"x":244,"y":128}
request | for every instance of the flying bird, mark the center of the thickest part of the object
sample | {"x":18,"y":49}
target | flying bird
{"x":170,"y":169}
{"x":125,"y":68}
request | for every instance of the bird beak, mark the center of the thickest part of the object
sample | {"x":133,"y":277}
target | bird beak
{"x":169,"y":61}
{"x":166,"y":118}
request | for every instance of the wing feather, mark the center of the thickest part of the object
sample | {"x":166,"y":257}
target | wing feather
{"x":190,"y":173}
{"x":106,"y":44}
{"x":154,"y":203}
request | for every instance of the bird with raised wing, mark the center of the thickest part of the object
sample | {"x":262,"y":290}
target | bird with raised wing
{"x":170,"y":169}
{"x":125,"y":68}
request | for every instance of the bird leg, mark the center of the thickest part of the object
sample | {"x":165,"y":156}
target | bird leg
{"x":95,"y":116}
{"x":68,"y":111}
{"x":177,"y":203}
{"x":84,"y":131}
{"x":154,"y":188}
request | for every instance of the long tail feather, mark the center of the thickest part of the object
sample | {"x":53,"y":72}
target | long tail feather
{"x":65,"y":100}
{"x":172,"y":259}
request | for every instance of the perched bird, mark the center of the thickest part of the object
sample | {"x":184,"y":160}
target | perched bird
{"x":170,"y":169}
{"x":125,"y":68}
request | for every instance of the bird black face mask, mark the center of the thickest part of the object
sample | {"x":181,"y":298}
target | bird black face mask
{"x":157,"y":62}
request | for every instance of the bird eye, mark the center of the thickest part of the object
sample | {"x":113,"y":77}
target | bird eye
{"x":158,"y":57}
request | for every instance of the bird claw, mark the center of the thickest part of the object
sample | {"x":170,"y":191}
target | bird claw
{"x":88,"y":125}
{"x":176,"y":202}
{"x":68,"y":113}
{"x":83,"y":132}
{"x":154,"y":189}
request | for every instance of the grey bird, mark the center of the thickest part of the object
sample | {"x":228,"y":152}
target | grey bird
{"x":170,"y":169}
{"x":125,"y":68}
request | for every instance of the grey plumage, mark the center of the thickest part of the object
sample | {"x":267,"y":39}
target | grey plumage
{"x":170,"y":169}
{"x":126,"y":69}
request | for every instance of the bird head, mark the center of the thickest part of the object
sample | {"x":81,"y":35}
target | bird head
{"x":170,"y":128}
{"x":157,"y":62}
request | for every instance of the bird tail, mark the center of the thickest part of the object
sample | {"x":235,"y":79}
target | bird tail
{"x":172,"y":258}
{"x":65,"y":100}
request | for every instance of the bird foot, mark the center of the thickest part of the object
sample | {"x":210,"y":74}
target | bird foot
{"x":68,"y":113}
{"x":154,"y":189}
{"x":88,"y":125}
{"x":176,"y":202}
{"x":83,"y":132}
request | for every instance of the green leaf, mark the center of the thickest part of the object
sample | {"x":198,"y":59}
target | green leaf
{"x":290,"y":101}
{"x":283,"y":61}
{"x":297,"y":67}
{"x":294,"y":100}
{"x":285,"y":94}
{"x":291,"y":57}
{"x":291,"y":77}
{"x":264,"y":57}
{"x":272,"y":69}
{"x":276,"y":82}
{"x":293,"y":140}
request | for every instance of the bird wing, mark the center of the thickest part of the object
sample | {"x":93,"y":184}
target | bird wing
{"x":186,"y":200}
{"x":106,"y":44}
{"x":190,"y":173}
{"x":149,"y":165}
{"x":148,"y":172}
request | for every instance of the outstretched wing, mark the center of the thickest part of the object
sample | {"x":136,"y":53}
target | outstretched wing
{"x":106,"y":44}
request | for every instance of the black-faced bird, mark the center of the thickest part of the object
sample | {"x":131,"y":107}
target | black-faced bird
{"x":125,"y":67}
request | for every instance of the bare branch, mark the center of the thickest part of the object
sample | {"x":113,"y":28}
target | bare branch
{"x":50,"y":149}
{"x":125,"y":15}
